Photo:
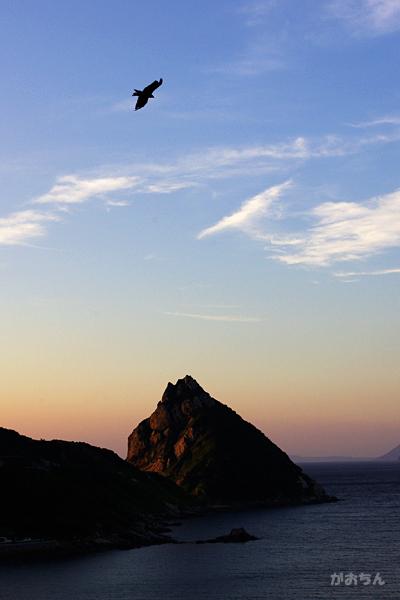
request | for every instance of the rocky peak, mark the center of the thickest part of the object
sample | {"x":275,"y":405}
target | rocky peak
{"x":179,"y":402}
{"x":209,"y":450}
{"x":186,"y":388}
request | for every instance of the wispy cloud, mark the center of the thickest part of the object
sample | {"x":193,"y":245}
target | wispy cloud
{"x":247,"y":217}
{"x":370,"y":17}
{"x":110,"y":185}
{"x":343,"y":231}
{"x":223,"y":161}
{"x":219,"y":306}
{"x":349,"y":280}
{"x":377,"y":273}
{"x":122,"y":106}
{"x":230,"y":161}
{"x":18,"y":227}
{"x":386,"y":120}
{"x":251,"y":64}
{"x":262,"y":52}
{"x":348,"y":231}
{"x":167,"y":187}
{"x":211,"y":163}
{"x":117,"y":203}
{"x":225,"y":318}
{"x":256,"y":12}
{"x":71,"y":189}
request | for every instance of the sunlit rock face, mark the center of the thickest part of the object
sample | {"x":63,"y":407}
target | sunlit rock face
{"x":210,"y":451}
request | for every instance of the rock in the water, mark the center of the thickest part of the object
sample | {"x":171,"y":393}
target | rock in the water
{"x":210,"y":451}
{"x":236,"y":536}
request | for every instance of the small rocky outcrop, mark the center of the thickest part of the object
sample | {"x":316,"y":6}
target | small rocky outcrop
{"x":237,"y":536}
{"x":216,"y":456}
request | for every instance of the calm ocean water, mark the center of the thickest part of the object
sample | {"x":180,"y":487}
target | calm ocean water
{"x":299,"y":550}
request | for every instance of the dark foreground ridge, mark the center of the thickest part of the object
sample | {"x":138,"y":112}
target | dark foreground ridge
{"x":216,"y":456}
{"x":61,"y":496}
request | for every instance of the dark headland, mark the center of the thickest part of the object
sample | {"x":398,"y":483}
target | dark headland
{"x":192,"y":455}
{"x":59,"y":496}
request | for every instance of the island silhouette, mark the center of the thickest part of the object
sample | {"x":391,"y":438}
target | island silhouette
{"x":192,"y":455}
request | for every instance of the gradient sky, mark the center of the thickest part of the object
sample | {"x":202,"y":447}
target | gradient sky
{"x":244,"y":227}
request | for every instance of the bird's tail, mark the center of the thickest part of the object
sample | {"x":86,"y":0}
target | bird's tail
{"x":137,"y":93}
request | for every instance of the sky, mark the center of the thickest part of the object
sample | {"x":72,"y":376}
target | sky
{"x":243,"y":227}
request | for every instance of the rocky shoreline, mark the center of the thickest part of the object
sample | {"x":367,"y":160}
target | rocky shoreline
{"x":156,"y":534}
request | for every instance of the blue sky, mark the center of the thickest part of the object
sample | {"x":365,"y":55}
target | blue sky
{"x":242,"y":226}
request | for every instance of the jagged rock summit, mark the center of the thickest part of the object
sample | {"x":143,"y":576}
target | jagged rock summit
{"x":212,"y":453}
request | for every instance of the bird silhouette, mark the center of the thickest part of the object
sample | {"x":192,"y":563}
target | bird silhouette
{"x":146,"y":93}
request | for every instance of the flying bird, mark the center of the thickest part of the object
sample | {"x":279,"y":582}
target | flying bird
{"x":146,"y":93}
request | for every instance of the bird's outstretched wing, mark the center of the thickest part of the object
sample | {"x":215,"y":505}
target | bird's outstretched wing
{"x":141,"y":101}
{"x":149,"y":89}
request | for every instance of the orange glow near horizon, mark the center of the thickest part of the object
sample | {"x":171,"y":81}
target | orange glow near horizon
{"x":315,"y":425}
{"x":315,"y":388}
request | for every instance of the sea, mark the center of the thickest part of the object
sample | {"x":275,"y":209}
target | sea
{"x":341,"y":551}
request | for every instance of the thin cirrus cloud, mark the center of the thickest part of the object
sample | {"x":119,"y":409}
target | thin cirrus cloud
{"x":117,"y":203}
{"x":247,"y":217}
{"x":368,"y":17}
{"x":231,"y":161}
{"x":224,"y":318}
{"x":343,"y":231}
{"x":386,"y":120}
{"x":20,"y":226}
{"x":263,"y":53}
{"x":361,"y":17}
{"x":348,"y":231}
{"x":251,"y":63}
{"x":213,"y":163}
{"x":377,"y":273}
{"x":71,"y":189}
{"x":74,"y":190}
{"x":167,"y":187}
{"x":184,"y":173}
{"x":257,"y":11}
